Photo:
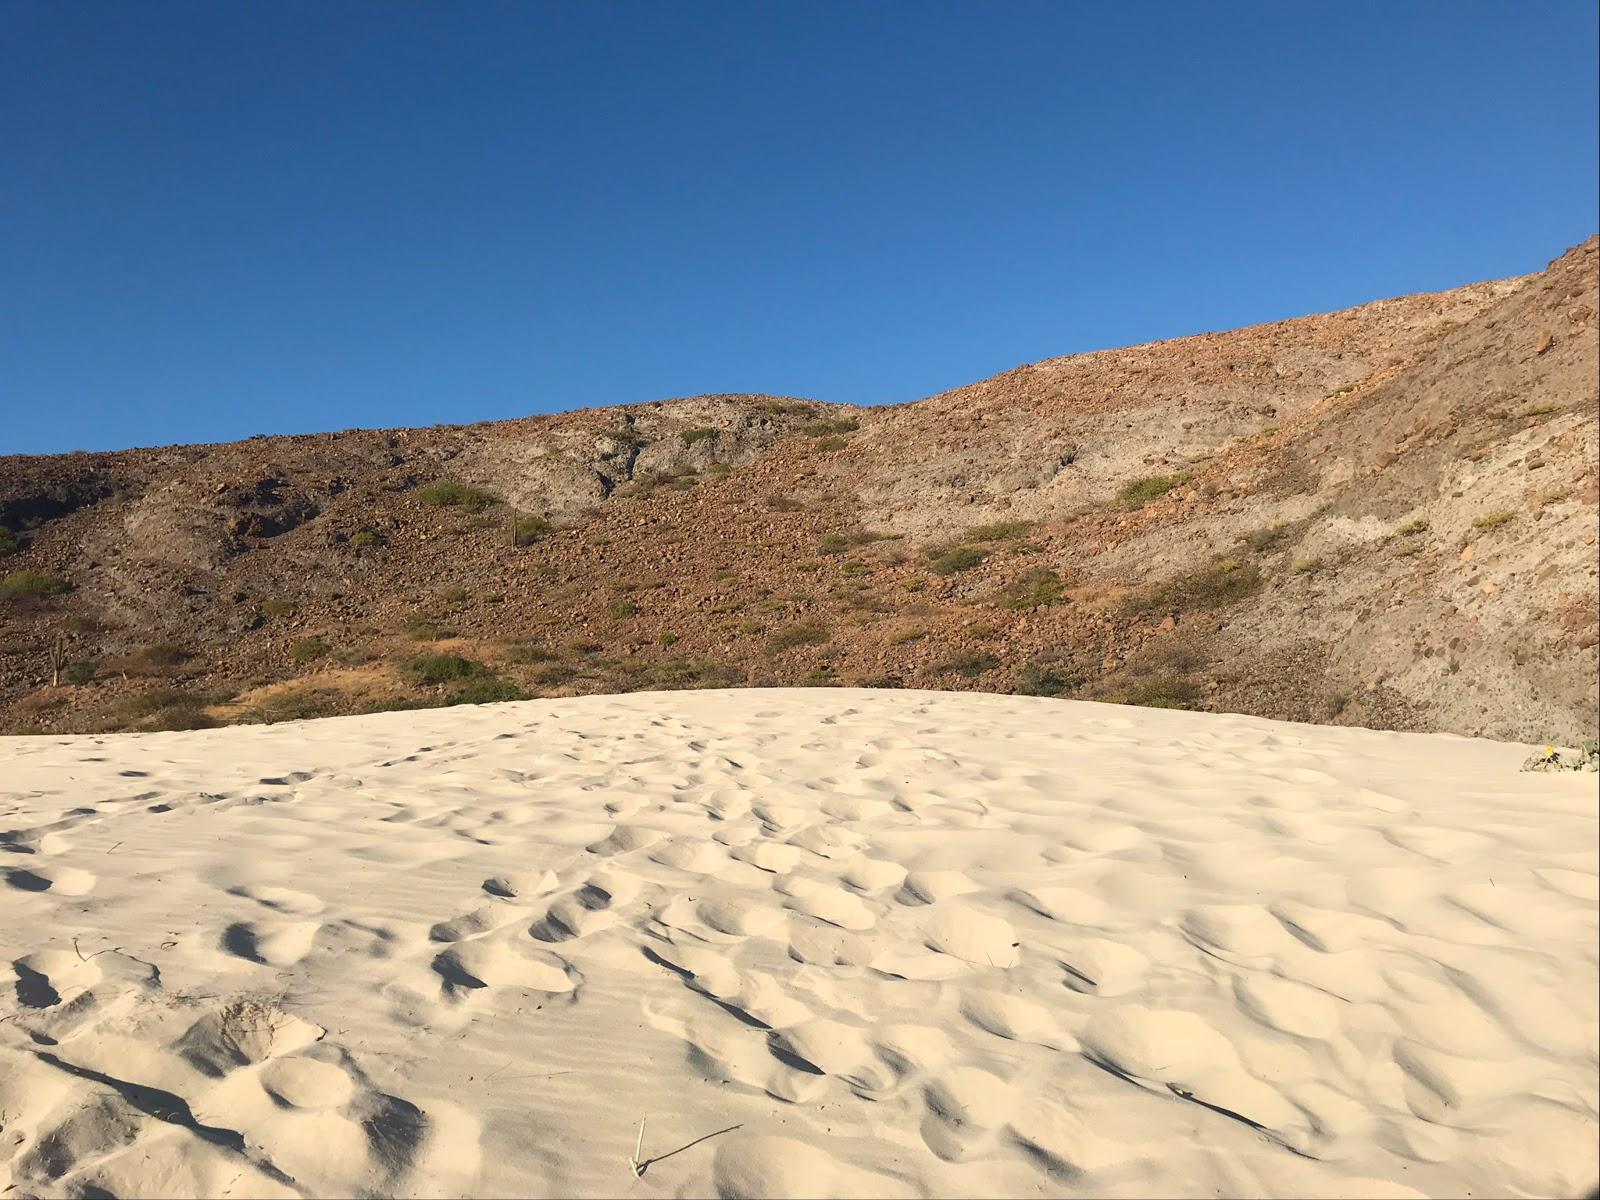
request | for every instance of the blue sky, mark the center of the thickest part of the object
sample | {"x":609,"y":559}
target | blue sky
{"x":226,"y":219}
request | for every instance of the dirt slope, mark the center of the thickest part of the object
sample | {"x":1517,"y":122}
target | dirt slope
{"x":1385,"y":516}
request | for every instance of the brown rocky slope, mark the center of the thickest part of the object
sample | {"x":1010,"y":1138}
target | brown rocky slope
{"x":1385,"y":516}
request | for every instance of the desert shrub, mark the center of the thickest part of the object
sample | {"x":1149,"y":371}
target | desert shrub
{"x":445,"y":668}
{"x":622,"y":608}
{"x":1038,"y":678}
{"x":818,"y":677}
{"x":79,"y":672}
{"x":971,"y":663}
{"x":527,"y":530}
{"x":531,"y":654}
{"x":424,"y":627}
{"x":1161,"y":691}
{"x":750,"y":627}
{"x":691,"y":436}
{"x":453,"y":494}
{"x":827,"y":445}
{"x":1039,"y":587}
{"x":8,"y":542}
{"x":1264,"y":539}
{"x":24,"y":585}
{"x":165,"y":708}
{"x":1307,"y":566}
{"x":277,"y":606}
{"x":718,"y":470}
{"x":666,"y":639}
{"x":855,"y":566}
{"x":553,"y":675}
{"x":308,"y":649}
{"x":999,"y":531}
{"x":489,"y":690}
{"x":960,"y":558}
{"x":1220,"y":582}
{"x":830,"y":428}
{"x":1407,"y":549}
{"x":364,"y":539}
{"x":783,"y":504}
{"x":294,"y":706}
{"x":1412,"y":528}
{"x":806,"y":633}
{"x":833,"y":543}
{"x":1495,"y":519}
{"x":907,"y":636}
{"x":156,"y":657}
{"x":1539,"y":410}
{"x":1139,"y":492}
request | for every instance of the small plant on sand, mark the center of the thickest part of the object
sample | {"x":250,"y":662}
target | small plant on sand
{"x":451,"y":493}
{"x":31,"y":585}
{"x":1139,"y":492}
{"x":957,"y":559}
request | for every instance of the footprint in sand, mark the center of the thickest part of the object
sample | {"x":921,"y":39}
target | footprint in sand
{"x":973,"y":937}
{"x":966,"y":1106}
{"x":1104,"y":968}
{"x":307,"y":1083}
{"x":826,"y":902}
{"x":284,"y":900}
{"x":58,"y":881}
{"x":278,"y":944}
{"x":929,"y":887}
{"x":492,"y":962}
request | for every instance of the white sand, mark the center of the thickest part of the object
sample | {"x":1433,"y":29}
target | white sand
{"x":904,"y":943}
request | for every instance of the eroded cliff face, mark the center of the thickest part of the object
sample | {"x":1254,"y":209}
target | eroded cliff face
{"x":1385,"y":516}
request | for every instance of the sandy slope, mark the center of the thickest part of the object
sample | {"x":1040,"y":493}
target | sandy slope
{"x":828,"y":942}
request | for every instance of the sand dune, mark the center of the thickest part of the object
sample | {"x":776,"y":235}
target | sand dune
{"x":822,"y":942}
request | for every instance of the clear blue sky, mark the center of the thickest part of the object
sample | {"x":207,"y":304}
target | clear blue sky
{"x":219,"y":219}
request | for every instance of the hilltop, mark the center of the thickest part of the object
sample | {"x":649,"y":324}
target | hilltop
{"x":1384,"y":517}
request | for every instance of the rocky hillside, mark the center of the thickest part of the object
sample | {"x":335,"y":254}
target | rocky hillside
{"x":1383,"y":517}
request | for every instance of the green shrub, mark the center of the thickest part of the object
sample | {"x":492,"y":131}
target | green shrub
{"x":308,"y":649}
{"x":622,"y":608}
{"x":1218,"y":583}
{"x":445,"y":668}
{"x":277,"y":606}
{"x":452,"y":494}
{"x":750,"y":627}
{"x":165,"y":709}
{"x":961,"y":558}
{"x":1139,"y":492}
{"x":971,"y":663}
{"x":531,"y":654}
{"x":425,"y":628}
{"x":718,"y":469}
{"x":807,"y":633}
{"x":1495,"y":519}
{"x":833,"y":543}
{"x":8,"y":542}
{"x":1162,"y":691}
{"x":784,"y":504}
{"x":79,"y":672}
{"x":364,"y":539}
{"x":21,"y":585}
{"x":691,"y":436}
{"x":1039,"y":587}
{"x":907,"y":636}
{"x":999,"y":531}
{"x":527,"y":530}
{"x":1307,"y":566}
{"x":1407,"y":549}
{"x":666,"y":639}
{"x":294,"y":706}
{"x":827,"y":445}
{"x":1038,"y":678}
{"x":1412,"y":528}
{"x":158,"y":656}
{"x":490,"y":690}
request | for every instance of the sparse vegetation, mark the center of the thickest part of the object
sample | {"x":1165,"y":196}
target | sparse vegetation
{"x":424,"y":627}
{"x":1161,"y":691}
{"x":1262,"y":540}
{"x":906,"y":636}
{"x":8,"y":542}
{"x":304,"y":705}
{"x":1494,"y":520}
{"x":308,"y":649}
{"x":823,"y":429}
{"x":29,"y":585}
{"x":956,"y":559}
{"x":1412,"y":528}
{"x":365,"y":539}
{"x":703,"y":434}
{"x":1218,"y":583}
{"x":445,"y":668}
{"x":806,"y":633}
{"x":784,"y":504}
{"x":827,"y":445}
{"x":1307,"y":566}
{"x":1407,"y":549}
{"x":999,"y":531}
{"x":454,"y":494}
{"x":1539,"y":410}
{"x":1038,"y":588}
{"x":527,"y":530}
{"x":164,"y":708}
{"x":1041,"y":678}
{"x":79,"y":672}
{"x":1139,"y":492}
{"x":277,"y":606}
{"x":971,"y":663}
{"x":622,"y":608}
